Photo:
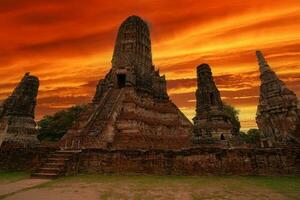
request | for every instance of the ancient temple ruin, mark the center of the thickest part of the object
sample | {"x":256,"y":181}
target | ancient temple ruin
{"x":278,"y":111}
{"x":131,"y":107}
{"x":210,"y":122}
{"x":17,"y":125}
{"x":131,"y":125}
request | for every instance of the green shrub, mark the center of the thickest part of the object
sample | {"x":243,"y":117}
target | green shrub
{"x":234,"y":116}
{"x":251,"y":137}
{"x":53,"y":127}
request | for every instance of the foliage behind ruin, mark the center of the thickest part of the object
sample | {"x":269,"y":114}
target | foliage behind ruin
{"x":53,"y":127}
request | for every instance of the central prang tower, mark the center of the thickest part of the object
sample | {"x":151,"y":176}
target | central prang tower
{"x":133,"y":45}
{"x":131,"y":108}
{"x":132,"y":62}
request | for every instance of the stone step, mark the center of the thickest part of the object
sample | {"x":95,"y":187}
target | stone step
{"x":71,"y":151}
{"x":54,"y":164}
{"x":54,"y":168}
{"x":64,"y":153}
{"x":58,"y":159}
{"x":49,"y":170}
{"x":60,"y":155}
{"x":45,"y":175}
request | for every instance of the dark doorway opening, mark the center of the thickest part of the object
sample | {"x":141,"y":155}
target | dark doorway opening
{"x":222,"y":137}
{"x":121,"y":80}
{"x":212,"y":99}
{"x":265,"y":144}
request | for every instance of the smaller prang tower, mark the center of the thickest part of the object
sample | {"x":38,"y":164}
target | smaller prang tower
{"x":17,"y":125}
{"x":211,"y":121}
{"x":278,"y":111}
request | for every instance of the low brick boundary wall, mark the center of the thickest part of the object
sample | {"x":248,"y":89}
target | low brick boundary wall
{"x":196,"y":161}
{"x":193,"y":161}
{"x":23,"y":159}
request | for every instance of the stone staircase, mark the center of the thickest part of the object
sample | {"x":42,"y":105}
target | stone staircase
{"x":55,"y":165}
{"x":99,"y":121}
{"x":92,"y":123}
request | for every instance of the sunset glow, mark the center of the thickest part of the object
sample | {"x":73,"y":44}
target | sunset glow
{"x":69,"y":45}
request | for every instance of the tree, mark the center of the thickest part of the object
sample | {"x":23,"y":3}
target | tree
{"x":234,"y":116}
{"x":251,"y":137}
{"x":254,"y":135}
{"x":53,"y":127}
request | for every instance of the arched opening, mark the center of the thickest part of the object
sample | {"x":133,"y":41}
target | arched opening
{"x":121,"y":80}
{"x":222,"y":137}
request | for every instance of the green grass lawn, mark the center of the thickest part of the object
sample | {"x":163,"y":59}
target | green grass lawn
{"x":288,"y":186}
{"x":166,"y":187}
{"x":13,"y":176}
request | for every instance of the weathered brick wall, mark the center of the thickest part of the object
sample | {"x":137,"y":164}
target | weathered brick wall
{"x":197,"y":161}
{"x":194,"y":161}
{"x":23,"y":159}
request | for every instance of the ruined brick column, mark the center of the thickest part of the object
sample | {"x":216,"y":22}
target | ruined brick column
{"x":278,"y":113}
{"x":17,"y":123}
{"x":210,"y":121}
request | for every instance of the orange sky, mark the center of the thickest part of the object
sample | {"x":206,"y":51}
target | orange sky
{"x":68,"y":45}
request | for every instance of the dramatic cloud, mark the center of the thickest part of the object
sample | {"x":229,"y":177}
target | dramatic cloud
{"x":68,"y":45}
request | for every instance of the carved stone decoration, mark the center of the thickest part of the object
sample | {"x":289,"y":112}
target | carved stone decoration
{"x":131,"y":108}
{"x":17,"y":123}
{"x":278,"y":111}
{"x":210,"y":122}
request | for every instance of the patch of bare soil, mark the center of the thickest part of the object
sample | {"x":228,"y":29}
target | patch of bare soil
{"x":9,"y":188}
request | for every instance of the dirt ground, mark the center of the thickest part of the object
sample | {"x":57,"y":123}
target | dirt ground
{"x":90,"y":187}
